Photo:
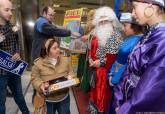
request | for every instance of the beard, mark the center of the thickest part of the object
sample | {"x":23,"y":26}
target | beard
{"x":103,"y":32}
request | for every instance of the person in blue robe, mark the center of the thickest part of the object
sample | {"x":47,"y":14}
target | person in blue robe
{"x":132,"y":31}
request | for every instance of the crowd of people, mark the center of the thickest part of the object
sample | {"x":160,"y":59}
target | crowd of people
{"x":124,"y":61}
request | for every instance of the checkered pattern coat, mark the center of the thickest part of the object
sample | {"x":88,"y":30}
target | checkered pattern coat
{"x":11,"y":42}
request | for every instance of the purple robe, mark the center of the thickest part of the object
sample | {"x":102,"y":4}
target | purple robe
{"x":142,"y":86}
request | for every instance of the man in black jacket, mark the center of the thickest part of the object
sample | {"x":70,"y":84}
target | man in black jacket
{"x":44,"y":29}
{"x":9,"y":42}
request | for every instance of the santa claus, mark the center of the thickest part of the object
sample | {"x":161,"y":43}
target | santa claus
{"x":102,"y":53}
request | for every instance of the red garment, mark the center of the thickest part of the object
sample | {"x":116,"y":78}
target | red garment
{"x":101,"y":94}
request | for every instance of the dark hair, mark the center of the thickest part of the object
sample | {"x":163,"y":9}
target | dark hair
{"x":44,"y":52}
{"x":161,"y":10}
{"x":137,"y":28}
{"x":45,"y":10}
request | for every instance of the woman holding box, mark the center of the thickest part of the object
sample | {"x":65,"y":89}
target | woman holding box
{"x":50,"y":68}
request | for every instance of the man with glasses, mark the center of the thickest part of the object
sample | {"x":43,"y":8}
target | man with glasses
{"x":44,"y":29}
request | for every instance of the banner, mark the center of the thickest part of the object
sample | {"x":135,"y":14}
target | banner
{"x":72,"y":22}
{"x":16,"y":67}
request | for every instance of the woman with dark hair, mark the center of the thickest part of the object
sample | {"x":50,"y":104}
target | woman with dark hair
{"x":142,"y":87}
{"x":133,"y":33}
{"x":49,"y":68}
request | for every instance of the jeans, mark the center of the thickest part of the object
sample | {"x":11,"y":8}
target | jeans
{"x":14,"y":83}
{"x":62,"y":107}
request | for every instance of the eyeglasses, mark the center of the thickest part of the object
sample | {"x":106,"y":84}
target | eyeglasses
{"x":51,"y":15}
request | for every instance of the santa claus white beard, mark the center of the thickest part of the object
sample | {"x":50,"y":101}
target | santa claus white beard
{"x":103,"y":32}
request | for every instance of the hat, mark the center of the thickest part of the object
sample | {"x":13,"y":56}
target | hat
{"x":126,"y":17}
{"x":157,"y":2}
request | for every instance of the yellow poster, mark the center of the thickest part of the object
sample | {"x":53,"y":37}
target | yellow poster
{"x":72,"y":15}
{"x":72,"y":21}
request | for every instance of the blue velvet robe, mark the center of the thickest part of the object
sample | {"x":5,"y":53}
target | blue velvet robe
{"x":142,"y":88}
{"x":124,"y":50}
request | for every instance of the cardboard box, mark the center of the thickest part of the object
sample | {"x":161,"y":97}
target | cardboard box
{"x":62,"y":85}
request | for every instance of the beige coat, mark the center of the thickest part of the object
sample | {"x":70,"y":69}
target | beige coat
{"x":43,"y":71}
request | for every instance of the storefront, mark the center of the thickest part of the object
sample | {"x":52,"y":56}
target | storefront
{"x":26,"y":13}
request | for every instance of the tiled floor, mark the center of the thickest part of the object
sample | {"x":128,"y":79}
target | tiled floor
{"x":11,"y":107}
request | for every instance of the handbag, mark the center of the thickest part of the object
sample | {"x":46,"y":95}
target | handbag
{"x":39,"y":105}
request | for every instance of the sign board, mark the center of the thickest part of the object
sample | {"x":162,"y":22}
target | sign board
{"x":72,"y":22}
{"x":16,"y":67}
